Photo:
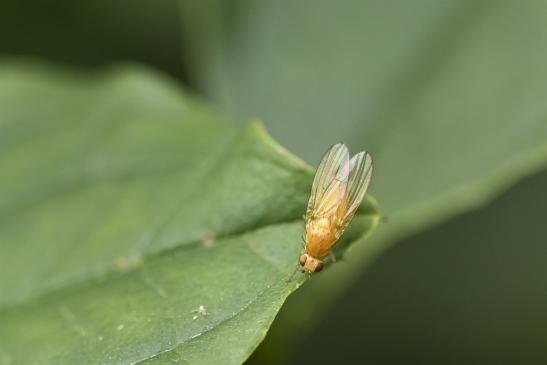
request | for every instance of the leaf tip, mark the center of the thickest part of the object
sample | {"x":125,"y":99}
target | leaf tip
{"x":257,"y":128}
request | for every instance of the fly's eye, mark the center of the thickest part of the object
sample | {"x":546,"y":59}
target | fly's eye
{"x":302,"y":260}
{"x":319,"y":267}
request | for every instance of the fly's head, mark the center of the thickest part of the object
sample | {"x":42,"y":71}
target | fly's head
{"x":310,"y":264}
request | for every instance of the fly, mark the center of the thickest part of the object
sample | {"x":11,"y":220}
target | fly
{"x":338,"y":188}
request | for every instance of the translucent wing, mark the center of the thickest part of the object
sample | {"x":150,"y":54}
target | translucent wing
{"x":359,"y":178}
{"x":330,"y":182}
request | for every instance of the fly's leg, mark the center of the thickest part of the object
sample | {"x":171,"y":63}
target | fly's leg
{"x":293,"y":274}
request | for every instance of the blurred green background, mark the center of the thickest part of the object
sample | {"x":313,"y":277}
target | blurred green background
{"x":449,"y":97}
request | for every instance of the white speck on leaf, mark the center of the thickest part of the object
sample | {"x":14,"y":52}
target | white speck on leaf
{"x":199,"y":311}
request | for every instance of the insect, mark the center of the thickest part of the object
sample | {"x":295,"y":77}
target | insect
{"x":338,"y":188}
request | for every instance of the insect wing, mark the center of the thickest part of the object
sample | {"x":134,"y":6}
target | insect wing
{"x":330,"y":182}
{"x":359,"y":179}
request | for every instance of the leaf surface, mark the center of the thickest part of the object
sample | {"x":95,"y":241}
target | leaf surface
{"x":137,"y":225}
{"x":448,"y":96}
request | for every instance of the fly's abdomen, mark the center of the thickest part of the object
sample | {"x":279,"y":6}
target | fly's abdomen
{"x":319,"y":237}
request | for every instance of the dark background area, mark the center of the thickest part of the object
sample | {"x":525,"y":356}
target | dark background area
{"x":94,"y":33}
{"x":470,"y":291}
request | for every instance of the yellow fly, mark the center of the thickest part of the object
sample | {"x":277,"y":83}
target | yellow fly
{"x":339,"y":186}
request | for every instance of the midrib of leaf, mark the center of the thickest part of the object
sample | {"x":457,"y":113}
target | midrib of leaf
{"x":278,"y":282}
{"x":46,"y":297}
{"x":111,"y":270}
{"x":284,"y":286}
{"x":84,"y":181}
{"x":277,"y":289}
{"x":209,"y":168}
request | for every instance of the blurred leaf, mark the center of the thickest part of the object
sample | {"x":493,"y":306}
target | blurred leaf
{"x":449,"y":97}
{"x":453,"y":87}
{"x":136,"y":225}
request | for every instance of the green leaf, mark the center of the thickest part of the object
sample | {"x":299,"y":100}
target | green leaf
{"x":449,"y":97}
{"x":137,"y":226}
